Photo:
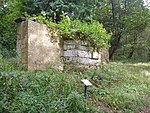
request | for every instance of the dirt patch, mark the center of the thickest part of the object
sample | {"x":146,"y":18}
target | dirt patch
{"x":145,"y":110}
{"x":102,"y":106}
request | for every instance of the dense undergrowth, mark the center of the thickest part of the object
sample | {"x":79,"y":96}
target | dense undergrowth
{"x":121,"y":87}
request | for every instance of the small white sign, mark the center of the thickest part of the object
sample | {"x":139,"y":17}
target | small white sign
{"x":86,"y":82}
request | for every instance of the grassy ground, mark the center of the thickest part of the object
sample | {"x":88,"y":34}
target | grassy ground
{"x":121,"y":87}
{"x":117,"y":87}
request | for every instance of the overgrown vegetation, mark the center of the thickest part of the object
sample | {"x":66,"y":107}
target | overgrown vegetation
{"x":118,"y":87}
{"x":126,"y":20}
{"x":121,"y":87}
{"x":74,"y":29}
{"x":47,"y":91}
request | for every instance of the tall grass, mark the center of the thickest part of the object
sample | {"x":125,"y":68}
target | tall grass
{"x":49,"y":91}
{"x":122,"y":87}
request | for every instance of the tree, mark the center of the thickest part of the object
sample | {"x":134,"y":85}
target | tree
{"x":8,"y":13}
{"x":126,"y":19}
{"x":136,"y":22}
{"x":55,"y":8}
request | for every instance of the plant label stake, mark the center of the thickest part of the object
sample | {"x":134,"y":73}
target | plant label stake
{"x":87,"y":84}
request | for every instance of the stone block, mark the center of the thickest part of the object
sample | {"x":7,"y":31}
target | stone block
{"x":95,"y":55}
{"x":69,"y":46}
{"x":71,"y":53}
{"x":84,"y":54}
{"x":88,"y":61}
{"x":69,"y":42}
{"x":71,"y":59}
{"x":24,"y":58}
{"x":83,"y":48}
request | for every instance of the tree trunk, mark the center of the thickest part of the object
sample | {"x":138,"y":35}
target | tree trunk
{"x":131,"y":52}
{"x":133,"y":48}
{"x":115,"y":44}
{"x":116,"y":34}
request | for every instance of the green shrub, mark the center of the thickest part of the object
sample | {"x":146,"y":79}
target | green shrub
{"x":74,"y":29}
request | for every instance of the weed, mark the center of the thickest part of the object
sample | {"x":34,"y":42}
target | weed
{"x":122,"y":87}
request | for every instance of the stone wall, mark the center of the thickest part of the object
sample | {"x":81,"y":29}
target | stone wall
{"x":22,"y":43}
{"x":1,"y":2}
{"x":38,"y":48}
{"x":77,"y":54}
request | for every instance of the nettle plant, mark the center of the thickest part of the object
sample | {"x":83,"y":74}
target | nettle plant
{"x":74,"y":29}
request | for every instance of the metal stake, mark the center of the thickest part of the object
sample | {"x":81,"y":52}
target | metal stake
{"x":85,"y":92}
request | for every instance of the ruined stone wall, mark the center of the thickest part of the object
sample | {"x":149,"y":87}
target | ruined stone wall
{"x":42,"y":49}
{"x":22,"y":43}
{"x":79,"y":55}
{"x":1,"y":2}
{"x":39,"y":48}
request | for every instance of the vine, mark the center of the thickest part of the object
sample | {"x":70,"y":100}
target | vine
{"x":74,"y":29}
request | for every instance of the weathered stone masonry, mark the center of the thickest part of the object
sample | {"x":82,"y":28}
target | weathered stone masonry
{"x":38,"y":48}
{"x":78,"y":54}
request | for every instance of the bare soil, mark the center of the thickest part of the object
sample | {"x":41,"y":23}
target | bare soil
{"x":146,"y":110}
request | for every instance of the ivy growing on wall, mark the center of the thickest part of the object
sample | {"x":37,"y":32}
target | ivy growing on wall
{"x":74,"y":29}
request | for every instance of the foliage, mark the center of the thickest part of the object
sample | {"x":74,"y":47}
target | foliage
{"x":127,"y":20}
{"x":54,"y":8}
{"x":48,"y":91}
{"x":8,"y":13}
{"x":135,"y":25}
{"x":91,"y":32}
{"x":75,"y":102}
{"x":125,"y":87}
